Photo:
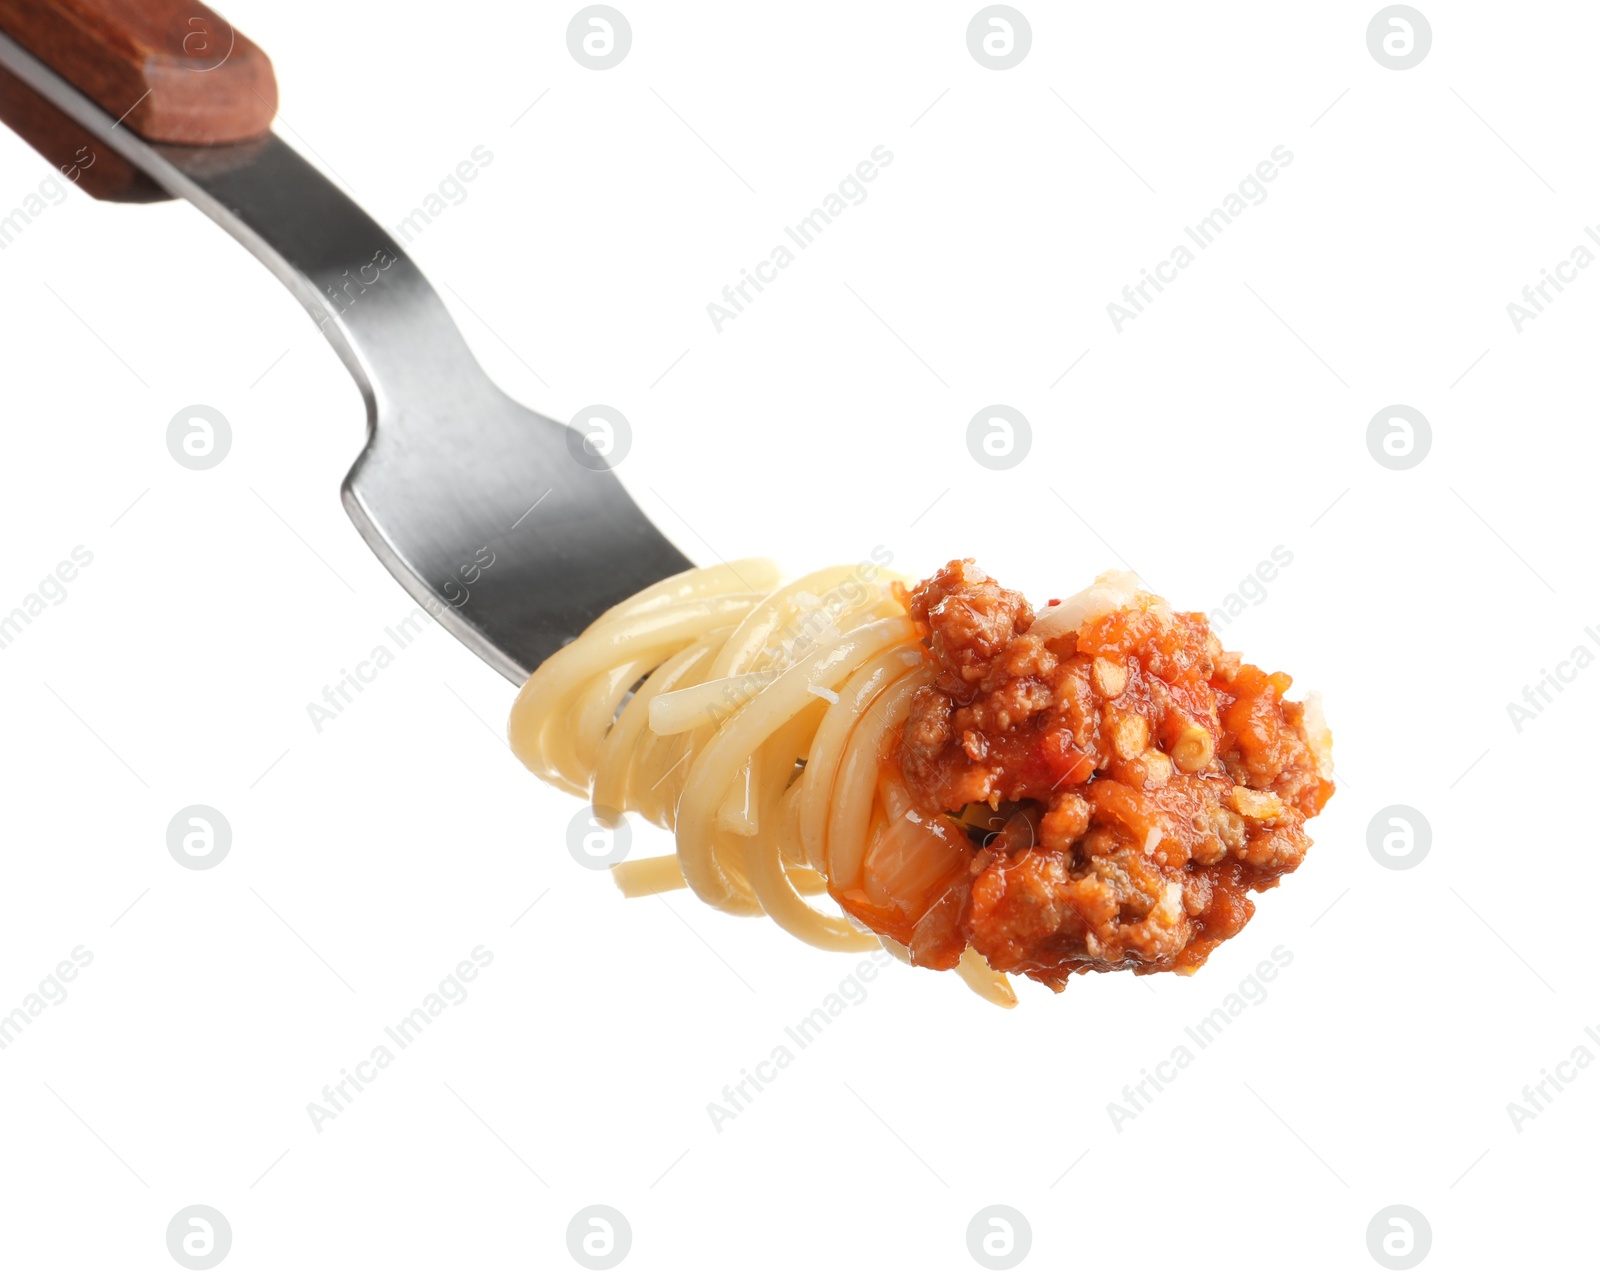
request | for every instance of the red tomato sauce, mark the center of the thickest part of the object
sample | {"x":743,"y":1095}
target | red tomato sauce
{"x":1124,"y":788}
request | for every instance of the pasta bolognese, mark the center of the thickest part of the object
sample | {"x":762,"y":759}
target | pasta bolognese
{"x":976,"y":786}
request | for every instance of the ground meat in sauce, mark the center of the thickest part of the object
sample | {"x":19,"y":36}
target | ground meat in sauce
{"x":1126,"y":785}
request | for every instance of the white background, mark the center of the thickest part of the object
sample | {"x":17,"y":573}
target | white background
{"x":830,"y":418}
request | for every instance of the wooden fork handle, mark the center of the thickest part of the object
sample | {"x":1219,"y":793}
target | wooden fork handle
{"x":172,"y":71}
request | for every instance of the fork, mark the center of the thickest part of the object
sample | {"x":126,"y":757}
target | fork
{"x":509,"y":528}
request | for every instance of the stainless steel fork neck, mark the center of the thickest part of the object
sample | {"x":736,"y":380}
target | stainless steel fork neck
{"x":366,"y":296}
{"x":494,"y":518}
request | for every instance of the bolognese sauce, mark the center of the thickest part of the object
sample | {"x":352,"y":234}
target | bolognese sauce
{"x":1117,"y":784}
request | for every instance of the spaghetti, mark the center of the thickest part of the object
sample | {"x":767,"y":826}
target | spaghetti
{"x":976,"y":788}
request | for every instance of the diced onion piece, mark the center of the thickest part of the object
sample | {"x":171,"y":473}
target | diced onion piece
{"x":1318,"y":737}
{"x":897,"y":950}
{"x":1110,"y":591}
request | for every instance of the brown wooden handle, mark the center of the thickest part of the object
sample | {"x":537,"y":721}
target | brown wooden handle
{"x":170,"y":70}
{"x":98,"y":170}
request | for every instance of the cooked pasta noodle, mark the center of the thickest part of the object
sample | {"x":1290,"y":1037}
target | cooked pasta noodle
{"x":755,"y":734}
